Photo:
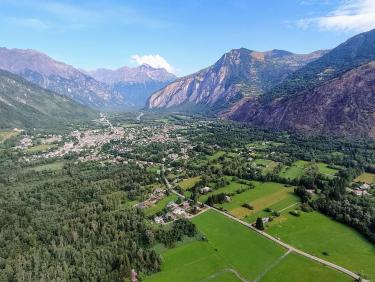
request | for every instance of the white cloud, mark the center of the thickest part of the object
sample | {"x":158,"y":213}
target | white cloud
{"x":350,"y":15}
{"x":155,"y":61}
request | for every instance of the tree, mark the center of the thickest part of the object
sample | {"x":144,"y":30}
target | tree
{"x":259,"y":224}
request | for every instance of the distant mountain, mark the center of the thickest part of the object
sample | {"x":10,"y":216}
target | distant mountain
{"x":332,"y":95}
{"x":25,"y":105}
{"x":237,"y":74}
{"x":61,"y":78}
{"x":135,"y":84}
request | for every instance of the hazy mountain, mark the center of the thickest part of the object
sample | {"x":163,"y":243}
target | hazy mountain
{"x":135,"y":84}
{"x":332,"y":95}
{"x":238,"y":73}
{"x":23,"y":104}
{"x":61,"y":78}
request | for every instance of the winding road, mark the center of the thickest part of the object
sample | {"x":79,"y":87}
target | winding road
{"x":277,"y":241}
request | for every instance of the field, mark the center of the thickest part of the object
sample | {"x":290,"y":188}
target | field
{"x":231,"y":247}
{"x":293,"y":267}
{"x":4,"y":135}
{"x":368,"y":178}
{"x":51,"y":167}
{"x":39,"y":148}
{"x":324,"y":169}
{"x":295,"y":170}
{"x":189,"y":182}
{"x":318,"y":234}
{"x":160,"y":205}
{"x":216,"y":156}
{"x":267,"y":166}
{"x":265,"y":195}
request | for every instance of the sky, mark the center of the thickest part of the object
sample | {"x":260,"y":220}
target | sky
{"x":183,"y":36}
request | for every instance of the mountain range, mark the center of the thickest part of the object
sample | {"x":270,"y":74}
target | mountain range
{"x":237,"y":74}
{"x":325,"y":92}
{"x":134,"y":84}
{"x":100,"y":89}
{"x":25,"y":105}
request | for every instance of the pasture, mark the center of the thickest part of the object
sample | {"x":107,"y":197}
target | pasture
{"x":325,"y":238}
{"x":293,"y":267}
{"x":271,"y":195}
{"x":368,"y":178}
{"x":232,"y":247}
{"x":189,"y":182}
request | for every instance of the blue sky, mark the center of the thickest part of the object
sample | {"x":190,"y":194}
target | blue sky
{"x":182,"y":35}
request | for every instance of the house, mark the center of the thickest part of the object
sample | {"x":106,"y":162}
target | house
{"x":172,"y":205}
{"x":205,"y":190}
{"x":159,"y":220}
{"x":364,"y":186}
{"x":178,"y":211}
{"x":185,"y":205}
{"x":265,"y":219}
{"x":227,"y":199}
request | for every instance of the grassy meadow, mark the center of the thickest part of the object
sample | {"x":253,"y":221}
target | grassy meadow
{"x":325,"y":238}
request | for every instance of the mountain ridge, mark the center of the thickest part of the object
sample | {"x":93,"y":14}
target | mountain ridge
{"x":239,"y":72}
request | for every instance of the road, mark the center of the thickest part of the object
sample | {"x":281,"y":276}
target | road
{"x":139,"y":116}
{"x":277,"y":241}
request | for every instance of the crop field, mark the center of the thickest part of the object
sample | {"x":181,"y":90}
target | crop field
{"x":160,"y":205}
{"x":231,"y":247}
{"x":328,"y":239}
{"x":293,"y":267}
{"x":368,"y":178}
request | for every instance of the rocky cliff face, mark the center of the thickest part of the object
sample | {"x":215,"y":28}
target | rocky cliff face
{"x":134,"y":84}
{"x":61,"y":78}
{"x":342,"y":106}
{"x":238,"y":73}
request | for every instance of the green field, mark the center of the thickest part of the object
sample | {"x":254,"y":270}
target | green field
{"x":189,"y":182}
{"x":293,"y":267}
{"x":316,"y":233}
{"x":216,"y":156}
{"x":324,"y":169}
{"x":265,"y":195}
{"x":231,"y":245}
{"x":160,"y":205}
{"x":51,"y":167}
{"x":368,"y":178}
{"x":295,"y":170}
{"x":40,"y":148}
{"x":266,"y":166}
